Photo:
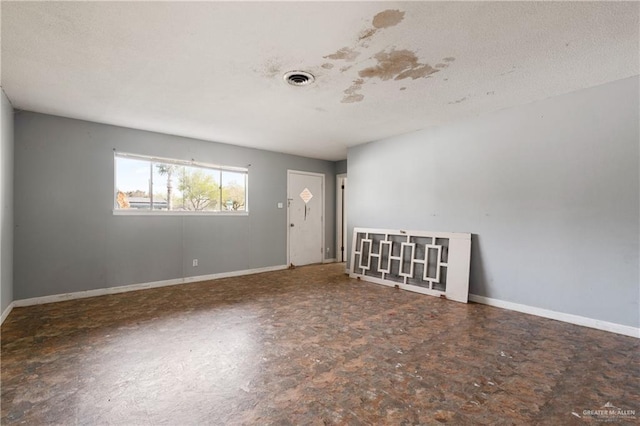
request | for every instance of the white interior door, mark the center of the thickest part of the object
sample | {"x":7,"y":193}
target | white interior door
{"x":306,"y":209}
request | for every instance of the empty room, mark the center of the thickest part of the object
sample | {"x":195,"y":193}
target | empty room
{"x":312,"y":213}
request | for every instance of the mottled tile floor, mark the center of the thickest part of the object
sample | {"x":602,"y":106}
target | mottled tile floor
{"x":305,"y":346}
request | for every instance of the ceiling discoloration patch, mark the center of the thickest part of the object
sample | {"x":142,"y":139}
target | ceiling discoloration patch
{"x":351,"y":94}
{"x":387,"y":18}
{"x":355,"y":97}
{"x":368,"y":33}
{"x":397,"y":65}
{"x":422,"y":71}
{"x":390,"y":63}
{"x":346,"y":54}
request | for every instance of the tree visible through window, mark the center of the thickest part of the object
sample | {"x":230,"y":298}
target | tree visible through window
{"x":146,"y":183}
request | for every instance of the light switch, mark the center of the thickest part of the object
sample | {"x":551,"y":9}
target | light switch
{"x":280,"y":205}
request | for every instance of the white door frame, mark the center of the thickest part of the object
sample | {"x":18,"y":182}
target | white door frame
{"x":300,"y":172}
{"x":341,"y":214}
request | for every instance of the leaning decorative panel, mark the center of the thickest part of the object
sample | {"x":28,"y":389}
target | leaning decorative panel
{"x":433,"y":263}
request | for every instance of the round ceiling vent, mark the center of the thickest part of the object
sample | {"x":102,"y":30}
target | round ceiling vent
{"x":299,"y":78}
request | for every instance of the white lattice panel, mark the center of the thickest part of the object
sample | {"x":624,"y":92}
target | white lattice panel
{"x":434,"y":263}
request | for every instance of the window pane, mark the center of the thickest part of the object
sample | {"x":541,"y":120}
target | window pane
{"x":200,"y":189}
{"x":132,"y":185}
{"x":234,"y":191}
{"x":163,"y":186}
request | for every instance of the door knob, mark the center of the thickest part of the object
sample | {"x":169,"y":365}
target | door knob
{"x":291,"y":225}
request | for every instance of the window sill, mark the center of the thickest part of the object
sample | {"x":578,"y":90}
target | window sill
{"x":132,"y":212}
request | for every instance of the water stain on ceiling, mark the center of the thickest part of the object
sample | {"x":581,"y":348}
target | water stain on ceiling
{"x":387,"y":18}
{"x":392,"y":63}
{"x":397,"y":65}
{"x":351,"y":93}
{"x":384,"y":19}
{"x":346,"y":53}
{"x":366,"y":34}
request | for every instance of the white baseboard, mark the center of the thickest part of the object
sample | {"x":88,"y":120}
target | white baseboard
{"x":135,"y":287}
{"x":6,"y":312}
{"x":333,"y":260}
{"x":560,"y":316}
{"x":235,"y":273}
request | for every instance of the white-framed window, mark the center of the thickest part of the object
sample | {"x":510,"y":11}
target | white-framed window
{"x":152,"y":185}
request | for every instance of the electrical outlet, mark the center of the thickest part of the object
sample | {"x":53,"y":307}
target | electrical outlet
{"x":195,"y":262}
{"x":327,"y":250}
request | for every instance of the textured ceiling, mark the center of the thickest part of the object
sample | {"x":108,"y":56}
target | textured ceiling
{"x":214,"y":71}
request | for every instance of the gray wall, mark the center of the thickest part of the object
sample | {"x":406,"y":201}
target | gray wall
{"x":67,"y":238}
{"x":6,"y":202}
{"x":549,"y":190}
{"x":341,"y":167}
